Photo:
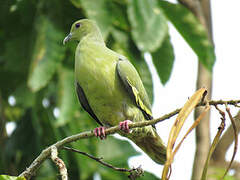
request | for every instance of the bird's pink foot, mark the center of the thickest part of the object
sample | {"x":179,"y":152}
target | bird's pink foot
{"x":100,"y":132}
{"x":124,"y":126}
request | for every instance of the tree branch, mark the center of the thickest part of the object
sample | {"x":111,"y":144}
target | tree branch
{"x":134,"y":172}
{"x":31,"y":170}
{"x":59,"y":162}
{"x":99,"y":160}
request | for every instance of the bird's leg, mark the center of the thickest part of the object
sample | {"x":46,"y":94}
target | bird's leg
{"x":100,"y":132}
{"x":124,"y":126}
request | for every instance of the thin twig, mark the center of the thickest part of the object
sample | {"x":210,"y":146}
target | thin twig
{"x":134,"y":172}
{"x":31,"y":170}
{"x":236,"y":140}
{"x":226,"y":141}
{"x":215,"y":141}
{"x":221,"y":102}
{"x":100,"y":160}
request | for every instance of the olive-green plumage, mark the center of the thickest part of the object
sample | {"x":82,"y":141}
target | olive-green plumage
{"x":110,"y":89}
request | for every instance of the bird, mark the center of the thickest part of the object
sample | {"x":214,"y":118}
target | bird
{"x":110,"y":89}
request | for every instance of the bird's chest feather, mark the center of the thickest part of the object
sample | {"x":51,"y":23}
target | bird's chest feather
{"x":96,"y":73}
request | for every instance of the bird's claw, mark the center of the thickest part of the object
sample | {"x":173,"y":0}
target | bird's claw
{"x":124,"y":126}
{"x":100,"y":132}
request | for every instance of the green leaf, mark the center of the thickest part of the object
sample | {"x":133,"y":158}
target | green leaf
{"x":47,"y":55}
{"x":148,"y":23}
{"x":119,"y":16}
{"x":163,"y":59}
{"x":124,"y":45}
{"x":6,"y":177}
{"x":191,"y":30}
{"x":98,"y":11}
{"x":116,"y":151}
{"x":68,"y":104}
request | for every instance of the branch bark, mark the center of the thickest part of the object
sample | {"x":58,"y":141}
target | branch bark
{"x":134,"y":172}
{"x":31,"y":170}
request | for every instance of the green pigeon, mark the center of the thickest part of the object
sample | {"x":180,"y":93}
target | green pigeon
{"x":110,"y":89}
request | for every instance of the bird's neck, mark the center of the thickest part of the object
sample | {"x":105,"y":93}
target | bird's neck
{"x":93,"y":36}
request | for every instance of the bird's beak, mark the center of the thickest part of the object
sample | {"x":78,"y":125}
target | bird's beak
{"x":67,"y":38}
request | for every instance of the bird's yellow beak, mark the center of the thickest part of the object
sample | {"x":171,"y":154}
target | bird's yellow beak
{"x":67,"y":38}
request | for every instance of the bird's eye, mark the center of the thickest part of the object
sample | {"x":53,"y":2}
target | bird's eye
{"x":77,"y":25}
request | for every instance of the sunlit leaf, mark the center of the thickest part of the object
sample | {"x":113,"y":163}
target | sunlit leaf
{"x":6,"y":177}
{"x":148,"y":23}
{"x":191,"y":30}
{"x":47,"y":55}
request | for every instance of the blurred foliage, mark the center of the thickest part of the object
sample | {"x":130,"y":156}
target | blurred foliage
{"x":6,"y":177}
{"x":37,"y":71}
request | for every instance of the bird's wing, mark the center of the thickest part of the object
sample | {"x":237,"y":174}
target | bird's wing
{"x":134,"y":86}
{"x":84,"y":102}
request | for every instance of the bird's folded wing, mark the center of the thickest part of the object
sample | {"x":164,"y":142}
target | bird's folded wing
{"x":134,"y":86}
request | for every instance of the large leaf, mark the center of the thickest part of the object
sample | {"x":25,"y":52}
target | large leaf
{"x":119,"y":15}
{"x":191,"y":30}
{"x":47,"y":55}
{"x":148,"y":23}
{"x":68,"y":104}
{"x":163,"y":59}
{"x":124,"y":45}
{"x":98,"y":11}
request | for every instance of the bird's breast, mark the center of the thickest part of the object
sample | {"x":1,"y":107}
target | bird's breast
{"x":97,"y":75}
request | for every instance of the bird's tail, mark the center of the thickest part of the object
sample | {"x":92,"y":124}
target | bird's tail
{"x":153,"y":146}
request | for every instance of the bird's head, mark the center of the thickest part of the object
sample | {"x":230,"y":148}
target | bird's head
{"x":80,"y":29}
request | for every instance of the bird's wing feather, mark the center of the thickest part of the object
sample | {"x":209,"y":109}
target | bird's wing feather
{"x":134,"y":86}
{"x":84,"y":102}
